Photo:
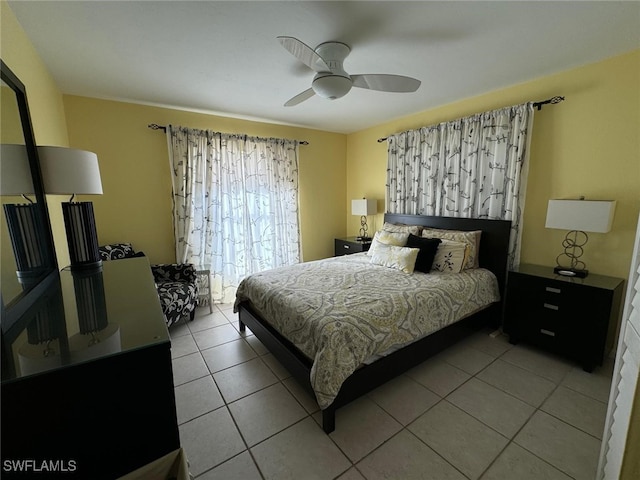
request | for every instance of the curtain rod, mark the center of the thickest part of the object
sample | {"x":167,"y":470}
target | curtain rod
{"x":155,"y":126}
{"x":538,"y":105}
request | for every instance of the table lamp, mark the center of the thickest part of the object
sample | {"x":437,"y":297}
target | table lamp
{"x":24,"y":219}
{"x":71,"y":171}
{"x":578,"y":216}
{"x":364,"y":207}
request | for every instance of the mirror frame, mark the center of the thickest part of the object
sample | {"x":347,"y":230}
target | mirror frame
{"x":18,"y":308}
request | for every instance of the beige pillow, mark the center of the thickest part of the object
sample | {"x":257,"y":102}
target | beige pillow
{"x":387,"y":238}
{"x":400,"y":258}
{"x":397,"y":228}
{"x":450,"y":257}
{"x":471,"y":238}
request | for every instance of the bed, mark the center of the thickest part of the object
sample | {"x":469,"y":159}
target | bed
{"x":353,"y":375}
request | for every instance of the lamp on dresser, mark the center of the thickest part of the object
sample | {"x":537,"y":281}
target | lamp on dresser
{"x":23,"y":219}
{"x":578,"y":216}
{"x":68,"y":171}
{"x":364,"y":207}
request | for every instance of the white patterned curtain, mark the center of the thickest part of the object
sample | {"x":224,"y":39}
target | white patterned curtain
{"x":235,"y":204}
{"x":474,"y":167}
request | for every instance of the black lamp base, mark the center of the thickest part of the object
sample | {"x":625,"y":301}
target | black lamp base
{"x":570,"y":272}
{"x":82,"y":237}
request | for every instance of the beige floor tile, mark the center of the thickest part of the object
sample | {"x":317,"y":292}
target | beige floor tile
{"x":302,"y":451}
{"x":523,"y":384}
{"x":196,"y":398}
{"x":227,"y":355}
{"x":539,"y":362}
{"x":179,"y":329}
{"x":463,"y":441}
{"x":361,"y":426}
{"x":183,"y":345}
{"x":576,"y":409}
{"x":596,"y":385}
{"x":466,"y":358}
{"x":404,"y":399}
{"x":215,"y":336}
{"x":306,"y":400}
{"x":244,"y":379}
{"x":257,"y":345}
{"x":494,"y":346}
{"x":276,"y":367}
{"x":501,"y":411}
{"x":407,"y":458}
{"x":210,"y":440}
{"x":188,"y":368}
{"x":438,"y":376}
{"x":265,"y":413}
{"x":563,"y":446}
{"x":240,"y":467}
{"x":204,"y":320}
{"x":351,"y":474}
{"x":517,"y":463}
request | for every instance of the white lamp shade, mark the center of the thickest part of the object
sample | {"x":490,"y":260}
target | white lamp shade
{"x":15,"y":173}
{"x":364,"y":206}
{"x":584,"y":215}
{"x":69,"y":171}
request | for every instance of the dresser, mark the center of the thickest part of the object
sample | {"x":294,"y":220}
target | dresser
{"x":348,"y":245}
{"x":87,"y":382}
{"x":573,"y":317}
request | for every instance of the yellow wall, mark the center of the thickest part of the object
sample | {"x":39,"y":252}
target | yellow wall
{"x":45,"y":105}
{"x":134,"y":165}
{"x":587,"y":145}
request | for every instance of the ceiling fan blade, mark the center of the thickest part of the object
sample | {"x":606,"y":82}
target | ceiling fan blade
{"x":301,"y":97}
{"x":386,"y":83}
{"x":304,"y":53}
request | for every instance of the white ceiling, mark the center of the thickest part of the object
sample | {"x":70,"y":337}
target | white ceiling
{"x":223,"y":57}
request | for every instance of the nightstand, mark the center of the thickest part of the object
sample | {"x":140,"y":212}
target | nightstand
{"x":573,"y":317}
{"x":345,"y":246}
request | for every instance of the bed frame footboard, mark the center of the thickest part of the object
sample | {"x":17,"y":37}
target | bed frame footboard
{"x":370,"y":376}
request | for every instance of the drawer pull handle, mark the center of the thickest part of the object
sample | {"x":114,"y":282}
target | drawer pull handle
{"x":547,"y":332}
{"x":551,"y":307}
{"x":345,"y":246}
{"x":552,"y":289}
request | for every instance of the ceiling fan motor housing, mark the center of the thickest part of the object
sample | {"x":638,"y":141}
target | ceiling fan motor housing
{"x":329,"y":85}
{"x":336,"y":83}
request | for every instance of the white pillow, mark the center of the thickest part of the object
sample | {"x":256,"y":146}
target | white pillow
{"x":400,"y":258}
{"x":471,"y":238}
{"x":392,"y":227}
{"x":387,"y":238}
{"x":450,"y":257}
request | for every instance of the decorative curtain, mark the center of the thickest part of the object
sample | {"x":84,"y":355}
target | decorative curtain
{"x":474,"y":167}
{"x":235,"y":204}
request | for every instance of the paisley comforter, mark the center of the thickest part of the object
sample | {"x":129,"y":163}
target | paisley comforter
{"x":342,"y":311}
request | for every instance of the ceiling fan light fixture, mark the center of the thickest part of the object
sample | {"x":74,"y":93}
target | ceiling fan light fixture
{"x":331,"y":86}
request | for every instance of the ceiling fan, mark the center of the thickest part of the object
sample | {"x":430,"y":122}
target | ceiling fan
{"x":331,"y":81}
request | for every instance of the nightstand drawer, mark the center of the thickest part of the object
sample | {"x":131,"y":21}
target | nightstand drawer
{"x":346,"y":246}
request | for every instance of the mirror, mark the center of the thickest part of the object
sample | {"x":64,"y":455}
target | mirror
{"x":27,"y":257}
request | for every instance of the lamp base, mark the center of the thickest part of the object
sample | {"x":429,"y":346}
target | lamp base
{"x":570,"y":272}
{"x":363,"y":239}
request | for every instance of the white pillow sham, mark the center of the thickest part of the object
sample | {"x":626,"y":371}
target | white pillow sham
{"x":392,"y":256}
{"x":450,"y":257}
{"x":387,"y":238}
{"x":471,"y":238}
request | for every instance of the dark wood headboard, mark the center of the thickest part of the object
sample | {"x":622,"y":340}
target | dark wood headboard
{"x":494,"y":242}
